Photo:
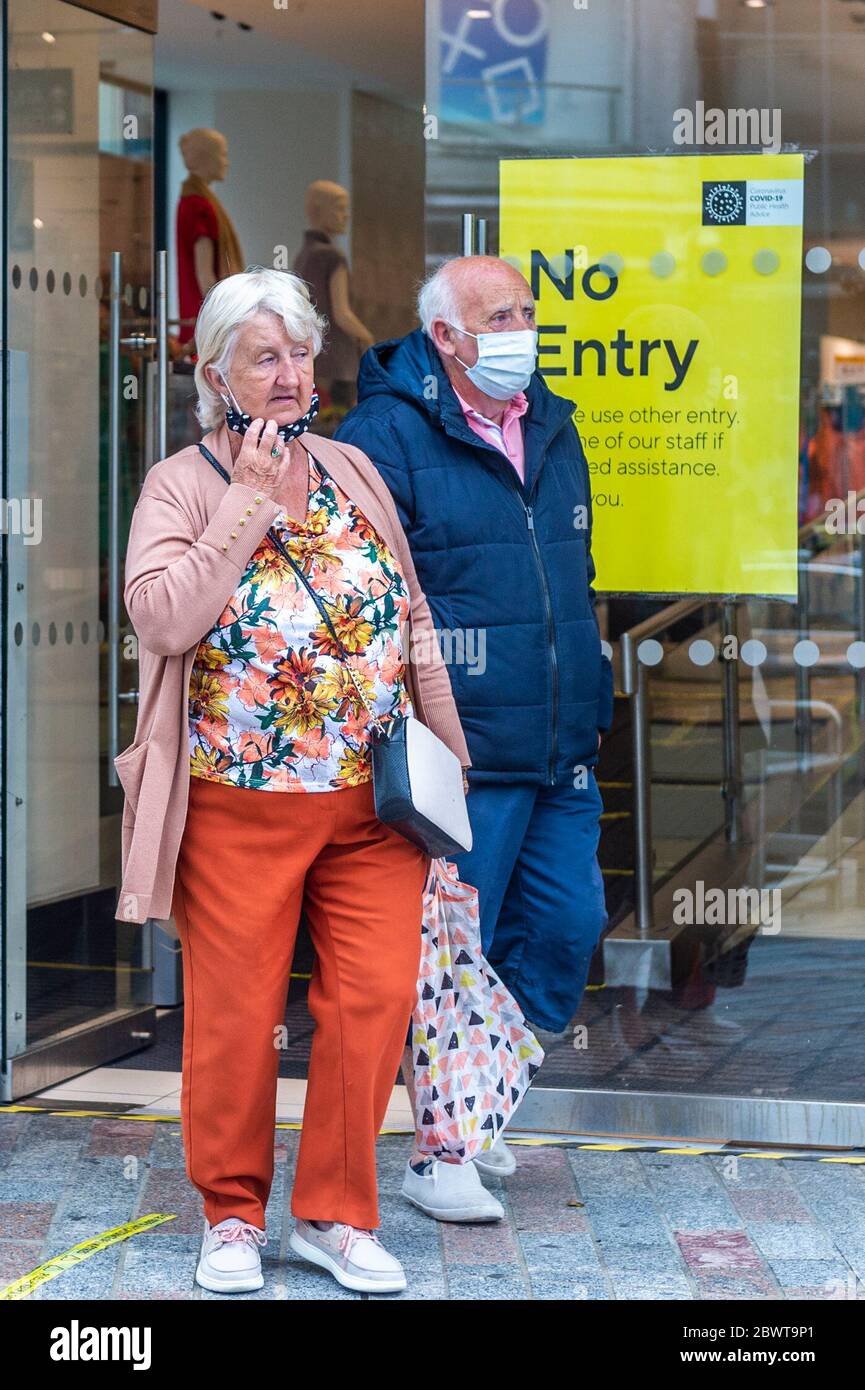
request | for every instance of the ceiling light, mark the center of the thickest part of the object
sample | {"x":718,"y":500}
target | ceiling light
{"x":479,"y":14}
{"x":49,"y":38}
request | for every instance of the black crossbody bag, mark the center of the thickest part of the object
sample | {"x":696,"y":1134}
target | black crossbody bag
{"x":417,"y":780}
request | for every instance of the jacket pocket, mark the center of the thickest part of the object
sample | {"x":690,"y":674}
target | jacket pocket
{"x":130,"y":770}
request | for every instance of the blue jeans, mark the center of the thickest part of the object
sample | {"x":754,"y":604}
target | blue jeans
{"x":534,"y":863}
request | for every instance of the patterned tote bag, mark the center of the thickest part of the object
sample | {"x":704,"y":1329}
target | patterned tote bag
{"x":474,"y":1055}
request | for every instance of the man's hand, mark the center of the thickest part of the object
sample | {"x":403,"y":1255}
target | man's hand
{"x":465,"y":781}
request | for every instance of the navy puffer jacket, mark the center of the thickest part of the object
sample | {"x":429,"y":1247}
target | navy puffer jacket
{"x":500,"y":563}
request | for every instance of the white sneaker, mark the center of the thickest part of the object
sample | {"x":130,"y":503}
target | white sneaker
{"x":229,"y":1261}
{"x":451,"y":1192}
{"x":356,"y":1258}
{"x":548,"y":1037}
{"x":497,"y":1162}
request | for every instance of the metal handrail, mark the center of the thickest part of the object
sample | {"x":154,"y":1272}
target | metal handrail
{"x":634,"y":679}
{"x":634,"y":685}
{"x":659,"y":622}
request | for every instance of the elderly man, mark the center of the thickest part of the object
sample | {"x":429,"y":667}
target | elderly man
{"x":492,"y":487}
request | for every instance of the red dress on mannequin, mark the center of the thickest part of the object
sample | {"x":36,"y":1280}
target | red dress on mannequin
{"x":196,"y":217}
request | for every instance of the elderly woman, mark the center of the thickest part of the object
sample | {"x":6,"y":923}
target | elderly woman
{"x":248,"y":792}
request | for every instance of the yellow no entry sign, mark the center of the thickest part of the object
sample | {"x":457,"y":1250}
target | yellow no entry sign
{"x":669,"y":302}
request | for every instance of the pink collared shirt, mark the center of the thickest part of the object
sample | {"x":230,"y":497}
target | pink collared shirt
{"x":507,"y":437}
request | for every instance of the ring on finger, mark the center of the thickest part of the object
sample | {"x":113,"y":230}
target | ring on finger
{"x":276,"y":451}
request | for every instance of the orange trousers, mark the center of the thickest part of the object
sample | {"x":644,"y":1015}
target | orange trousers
{"x":249,"y":861}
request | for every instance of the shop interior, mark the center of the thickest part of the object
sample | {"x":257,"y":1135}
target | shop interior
{"x":275,"y":122}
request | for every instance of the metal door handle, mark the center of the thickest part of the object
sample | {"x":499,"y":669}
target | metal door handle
{"x":138,"y":341}
{"x":161,"y":354}
{"x":114,"y":516}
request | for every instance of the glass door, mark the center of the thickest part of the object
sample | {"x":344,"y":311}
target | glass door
{"x":78,"y":387}
{"x":734,"y":772}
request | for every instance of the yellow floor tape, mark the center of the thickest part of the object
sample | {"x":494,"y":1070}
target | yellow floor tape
{"x":609,"y":1146}
{"x":21,"y":1288}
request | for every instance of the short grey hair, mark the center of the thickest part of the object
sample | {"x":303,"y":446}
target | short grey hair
{"x":437,"y":299}
{"x":228,"y":305}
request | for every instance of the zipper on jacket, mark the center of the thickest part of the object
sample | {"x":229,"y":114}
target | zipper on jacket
{"x":512,"y":485}
{"x":551,"y":640}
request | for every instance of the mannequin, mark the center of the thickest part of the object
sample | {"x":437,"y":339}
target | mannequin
{"x":325,"y":269}
{"x":207,"y":244}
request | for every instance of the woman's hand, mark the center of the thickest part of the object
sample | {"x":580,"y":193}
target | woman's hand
{"x":465,"y":782}
{"x":255,"y":464}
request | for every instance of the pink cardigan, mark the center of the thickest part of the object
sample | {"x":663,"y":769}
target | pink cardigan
{"x":191,"y":538}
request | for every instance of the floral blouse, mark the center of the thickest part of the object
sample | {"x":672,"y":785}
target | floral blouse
{"x":271,"y":704}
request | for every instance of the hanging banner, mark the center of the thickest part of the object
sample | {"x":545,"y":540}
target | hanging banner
{"x":491,"y":64}
{"x":669,"y":300}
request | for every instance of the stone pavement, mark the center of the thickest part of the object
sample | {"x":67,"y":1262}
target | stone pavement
{"x":580,"y":1224}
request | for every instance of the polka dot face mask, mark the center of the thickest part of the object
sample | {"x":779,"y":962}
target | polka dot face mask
{"x":239,"y":420}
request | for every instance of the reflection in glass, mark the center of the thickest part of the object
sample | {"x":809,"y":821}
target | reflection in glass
{"x":78,"y":189}
{"x":742,"y":1010}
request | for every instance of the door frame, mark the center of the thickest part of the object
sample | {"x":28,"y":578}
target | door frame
{"x":118,"y":1031}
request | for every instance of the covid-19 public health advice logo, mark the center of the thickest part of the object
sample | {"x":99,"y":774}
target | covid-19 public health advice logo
{"x":724,"y":203}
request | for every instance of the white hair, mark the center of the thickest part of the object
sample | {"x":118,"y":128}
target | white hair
{"x":228,"y":305}
{"x":437,"y":299}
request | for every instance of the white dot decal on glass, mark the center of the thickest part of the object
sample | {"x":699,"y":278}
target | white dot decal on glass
{"x":818,"y":259}
{"x":515,"y":261}
{"x":561,"y":266}
{"x":856,"y":655}
{"x":606,"y":650}
{"x":612,"y":264}
{"x":650,"y":652}
{"x":766,"y":261}
{"x":753,"y":652}
{"x":662,"y":264}
{"x":714,"y":262}
{"x":806,"y":652}
{"x":701,"y":652}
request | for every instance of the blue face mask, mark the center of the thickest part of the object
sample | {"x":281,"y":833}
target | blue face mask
{"x":506,"y":362}
{"x":239,"y":420}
